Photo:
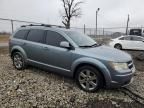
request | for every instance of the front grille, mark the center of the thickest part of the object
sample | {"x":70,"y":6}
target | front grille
{"x":130,"y":64}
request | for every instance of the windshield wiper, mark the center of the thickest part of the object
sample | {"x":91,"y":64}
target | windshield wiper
{"x":94,"y":45}
{"x":85,"y":46}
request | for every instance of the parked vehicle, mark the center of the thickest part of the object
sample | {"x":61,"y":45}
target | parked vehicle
{"x":73,"y":54}
{"x":128,"y":42}
{"x":136,"y":31}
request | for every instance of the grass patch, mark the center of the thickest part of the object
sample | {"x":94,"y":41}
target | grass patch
{"x":4,"y":38}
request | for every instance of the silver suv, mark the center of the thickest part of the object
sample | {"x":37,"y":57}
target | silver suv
{"x":72,"y":54}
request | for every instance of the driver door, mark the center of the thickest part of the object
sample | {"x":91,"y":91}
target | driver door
{"x":56,"y":56}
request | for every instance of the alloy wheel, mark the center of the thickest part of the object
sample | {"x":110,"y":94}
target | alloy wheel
{"x":18,"y":62}
{"x":118,"y":47}
{"x":88,"y":79}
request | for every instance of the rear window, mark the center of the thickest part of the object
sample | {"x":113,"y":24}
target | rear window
{"x":21,"y":34}
{"x":36,"y":36}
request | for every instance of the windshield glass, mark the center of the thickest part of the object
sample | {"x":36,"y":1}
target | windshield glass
{"x":80,"y":39}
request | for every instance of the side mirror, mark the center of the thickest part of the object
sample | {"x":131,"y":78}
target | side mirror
{"x":65,"y":44}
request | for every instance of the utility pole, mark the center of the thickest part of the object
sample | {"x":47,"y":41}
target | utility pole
{"x":84,"y":28}
{"x":103,"y":32}
{"x":142,"y":31}
{"x":96,"y":19}
{"x":12,"y":26}
{"x":127,"y":25}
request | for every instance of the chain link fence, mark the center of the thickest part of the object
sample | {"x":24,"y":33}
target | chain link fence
{"x":9,"y":25}
{"x":106,"y":32}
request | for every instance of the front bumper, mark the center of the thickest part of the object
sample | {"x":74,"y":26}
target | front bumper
{"x":122,"y":80}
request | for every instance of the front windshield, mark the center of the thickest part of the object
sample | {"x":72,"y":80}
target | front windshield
{"x":80,"y":39}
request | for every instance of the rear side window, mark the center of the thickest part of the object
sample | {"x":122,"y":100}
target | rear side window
{"x":21,"y":34}
{"x":54,"y":38}
{"x":36,"y":36}
{"x":136,"y":38}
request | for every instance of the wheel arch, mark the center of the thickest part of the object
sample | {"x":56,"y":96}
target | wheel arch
{"x":18,"y":49}
{"x":118,"y":44}
{"x":94,"y":63}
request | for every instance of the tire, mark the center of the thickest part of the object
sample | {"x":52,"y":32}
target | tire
{"x":118,"y":46}
{"x":89,"y":79}
{"x":18,"y":61}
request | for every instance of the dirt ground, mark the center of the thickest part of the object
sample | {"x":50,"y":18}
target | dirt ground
{"x":138,"y":63}
{"x":34,"y":88}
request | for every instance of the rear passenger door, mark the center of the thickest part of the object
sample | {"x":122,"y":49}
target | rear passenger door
{"x":56,"y":56}
{"x":138,"y":43}
{"x":33,"y":45}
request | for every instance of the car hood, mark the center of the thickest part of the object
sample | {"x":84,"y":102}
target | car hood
{"x":107,"y":53}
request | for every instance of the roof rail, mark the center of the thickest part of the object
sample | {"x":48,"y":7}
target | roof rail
{"x":45,"y":25}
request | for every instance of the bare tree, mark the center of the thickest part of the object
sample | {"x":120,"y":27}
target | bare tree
{"x":71,"y":9}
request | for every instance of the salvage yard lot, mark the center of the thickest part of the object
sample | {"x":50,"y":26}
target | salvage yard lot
{"x":36,"y":88}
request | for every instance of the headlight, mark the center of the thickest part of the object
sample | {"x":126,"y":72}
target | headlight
{"x":119,"y":66}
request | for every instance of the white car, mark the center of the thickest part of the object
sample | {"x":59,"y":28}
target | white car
{"x":128,"y":42}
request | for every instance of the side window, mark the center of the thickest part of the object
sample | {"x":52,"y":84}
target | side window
{"x":54,"y":39}
{"x":137,"y":39}
{"x":21,"y":34}
{"x":36,"y":36}
{"x":122,"y":38}
{"x":127,"y":38}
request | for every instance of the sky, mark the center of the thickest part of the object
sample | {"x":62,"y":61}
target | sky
{"x":113,"y":13}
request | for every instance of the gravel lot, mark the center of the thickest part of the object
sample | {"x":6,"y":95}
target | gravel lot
{"x":34,"y":88}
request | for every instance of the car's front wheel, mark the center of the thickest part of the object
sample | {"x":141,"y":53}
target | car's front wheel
{"x":18,"y":61}
{"x":89,"y":78}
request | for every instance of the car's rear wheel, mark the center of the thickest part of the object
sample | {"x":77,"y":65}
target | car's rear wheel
{"x":89,"y":78}
{"x":18,"y":61}
{"x":118,"y":46}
